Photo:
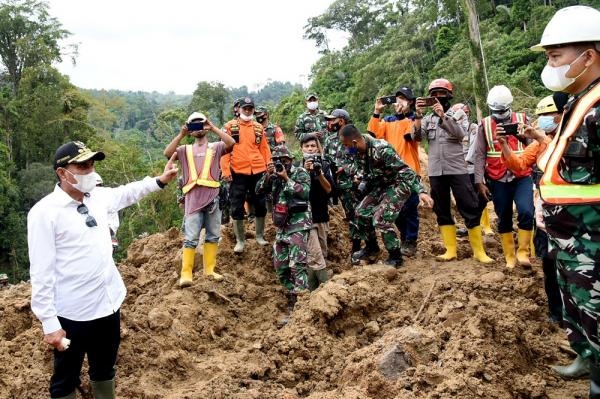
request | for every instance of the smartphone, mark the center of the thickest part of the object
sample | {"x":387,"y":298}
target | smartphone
{"x":388,"y":100}
{"x":511,"y":129}
{"x":429,"y":101}
{"x":195,"y":126}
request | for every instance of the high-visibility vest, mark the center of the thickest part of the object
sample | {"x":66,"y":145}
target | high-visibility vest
{"x":553,"y":188}
{"x":495,"y":166}
{"x":205,"y":178}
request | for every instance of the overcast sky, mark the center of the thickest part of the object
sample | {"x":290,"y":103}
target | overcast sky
{"x":172,"y":45}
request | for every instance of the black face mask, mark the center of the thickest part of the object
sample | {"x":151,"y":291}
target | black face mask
{"x":334,"y":128}
{"x":445,"y":102}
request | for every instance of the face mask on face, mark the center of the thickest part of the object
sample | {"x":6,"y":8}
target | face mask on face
{"x":85,"y":183}
{"x":547,"y":124}
{"x":554,"y":77}
{"x":312,"y":105}
{"x":501,"y":115}
{"x":351,"y":150}
{"x":334,"y":127}
{"x":445,"y":102}
{"x":245,"y":117}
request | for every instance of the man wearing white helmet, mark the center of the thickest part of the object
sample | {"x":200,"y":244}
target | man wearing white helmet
{"x":494,"y":179}
{"x":570,"y":184}
{"x":201,"y":170}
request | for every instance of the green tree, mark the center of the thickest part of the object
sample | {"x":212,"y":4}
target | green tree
{"x":29,"y":36}
{"x":211,"y":98}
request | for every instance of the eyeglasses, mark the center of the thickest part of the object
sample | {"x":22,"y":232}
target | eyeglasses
{"x":89,"y":220}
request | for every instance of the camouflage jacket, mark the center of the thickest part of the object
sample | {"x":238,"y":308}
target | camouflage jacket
{"x":295,"y":194}
{"x":335,"y":153}
{"x":381,"y":168}
{"x":310,"y":123}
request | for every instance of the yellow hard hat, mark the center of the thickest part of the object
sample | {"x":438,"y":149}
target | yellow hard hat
{"x":546,"y":106}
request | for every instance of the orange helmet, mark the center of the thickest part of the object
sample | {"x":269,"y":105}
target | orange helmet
{"x":443,"y":84}
{"x":462,"y":106}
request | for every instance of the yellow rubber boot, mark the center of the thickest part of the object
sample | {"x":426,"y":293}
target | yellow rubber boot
{"x":476,"y":241}
{"x":508,"y":247}
{"x":448,"y":233}
{"x":486,"y":227}
{"x":210,"y":260}
{"x":524,"y":244}
{"x":532,"y":245}
{"x":187,"y":265}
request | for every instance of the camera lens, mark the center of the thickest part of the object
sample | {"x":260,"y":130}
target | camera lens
{"x":279,"y":166}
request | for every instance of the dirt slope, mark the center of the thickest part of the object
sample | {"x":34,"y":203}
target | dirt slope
{"x":428,"y":330}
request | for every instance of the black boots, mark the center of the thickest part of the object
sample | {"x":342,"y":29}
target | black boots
{"x":395,"y":258}
{"x":369,"y":252}
{"x":594,"y":380}
{"x":291,"y":302}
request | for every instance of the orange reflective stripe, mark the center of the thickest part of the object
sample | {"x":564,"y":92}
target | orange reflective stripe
{"x":553,"y":188}
{"x":205,"y":178}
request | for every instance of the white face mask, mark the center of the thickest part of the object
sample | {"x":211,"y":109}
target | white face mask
{"x":312,"y":105}
{"x":85,"y":183}
{"x":555,"y":79}
{"x":245,"y":117}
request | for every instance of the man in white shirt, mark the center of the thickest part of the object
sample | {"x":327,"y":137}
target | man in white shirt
{"x":76,"y":289}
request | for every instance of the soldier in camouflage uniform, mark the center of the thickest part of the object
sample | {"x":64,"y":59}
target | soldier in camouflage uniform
{"x":570,"y":184}
{"x":387,"y":183}
{"x":290,"y":187}
{"x":344,"y":188}
{"x":273,"y":132}
{"x":312,"y":120}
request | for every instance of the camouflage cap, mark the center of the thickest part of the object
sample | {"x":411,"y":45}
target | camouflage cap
{"x":311,"y":95}
{"x":281,"y":151}
{"x":261,"y":110}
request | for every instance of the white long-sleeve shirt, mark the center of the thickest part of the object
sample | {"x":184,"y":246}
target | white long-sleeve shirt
{"x":73,"y":274}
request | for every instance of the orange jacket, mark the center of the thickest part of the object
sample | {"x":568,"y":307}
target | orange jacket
{"x":250,"y":154}
{"x":527,"y":158}
{"x":393,"y":132}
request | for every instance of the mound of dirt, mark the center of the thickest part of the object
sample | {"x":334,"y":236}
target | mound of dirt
{"x":427,"y":330}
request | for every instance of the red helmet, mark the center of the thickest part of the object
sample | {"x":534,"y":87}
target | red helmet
{"x":462,"y":106}
{"x":440,"y":84}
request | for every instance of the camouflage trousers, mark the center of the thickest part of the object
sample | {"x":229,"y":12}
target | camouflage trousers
{"x":290,"y":258}
{"x":379,"y":210}
{"x":349,"y":202}
{"x":574,"y":233}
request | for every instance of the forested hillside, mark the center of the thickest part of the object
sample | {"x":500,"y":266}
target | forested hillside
{"x":406,"y":42}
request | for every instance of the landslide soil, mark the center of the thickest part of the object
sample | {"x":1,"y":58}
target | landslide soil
{"x":427,"y":330}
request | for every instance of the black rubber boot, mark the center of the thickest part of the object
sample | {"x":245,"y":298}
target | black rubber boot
{"x":369,"y":252}
{"x":395,"y":258}
{"x":291,"y":302}
{"x":594,"y":381}
{"x":355,"y":245}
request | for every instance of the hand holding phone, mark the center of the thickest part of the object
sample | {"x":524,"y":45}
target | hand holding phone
{"x":508,"y":129}
{"x":388,"y":100}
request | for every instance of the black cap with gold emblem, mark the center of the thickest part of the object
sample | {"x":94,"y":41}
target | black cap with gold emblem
{"x":75,"y":152}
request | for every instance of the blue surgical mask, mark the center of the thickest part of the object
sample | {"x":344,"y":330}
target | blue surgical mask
{"x":546,"y":123}
{"x":352,"y":151}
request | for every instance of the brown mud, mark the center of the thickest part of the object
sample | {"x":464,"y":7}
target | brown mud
{"x":459,"y":329}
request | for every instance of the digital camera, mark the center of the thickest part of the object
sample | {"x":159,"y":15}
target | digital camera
{"x":279,"y":166}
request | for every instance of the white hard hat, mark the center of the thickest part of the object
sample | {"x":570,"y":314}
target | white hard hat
{"x":499,"y":98}
{"x":196,"y":115}
{"x":573,"y":24}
